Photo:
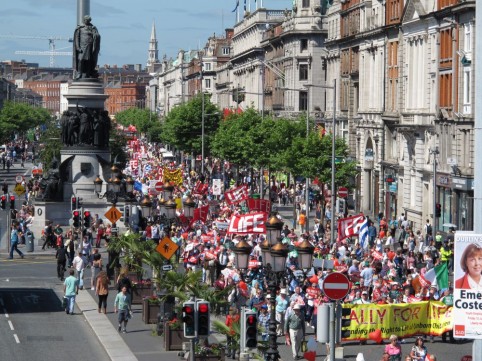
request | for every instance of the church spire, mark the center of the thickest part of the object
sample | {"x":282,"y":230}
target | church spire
{"x":153,"y":52}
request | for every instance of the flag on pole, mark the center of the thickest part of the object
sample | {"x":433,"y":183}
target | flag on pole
{"x":236,"y":195}
{"x":438,"y":276}
{"x":363,"y":233}
{"x":237,"y":5}
{"x":350,"y":226}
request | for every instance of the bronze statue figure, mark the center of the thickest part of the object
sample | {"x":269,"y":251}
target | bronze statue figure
{"x":86,"y":50}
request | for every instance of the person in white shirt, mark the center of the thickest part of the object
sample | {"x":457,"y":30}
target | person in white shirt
{"x":79,"y":264}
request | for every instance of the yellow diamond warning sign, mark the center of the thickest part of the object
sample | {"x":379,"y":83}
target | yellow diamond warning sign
{"x":166,"y":248}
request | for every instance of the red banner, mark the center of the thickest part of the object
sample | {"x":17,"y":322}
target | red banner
{"x":348,"y":227}
{"x":200,"y":214}
{"x":252,"y":223}
{"x":259,"y":205}
{"x":236,"y":195}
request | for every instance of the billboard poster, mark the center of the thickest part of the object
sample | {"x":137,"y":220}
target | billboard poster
{"x":467,"y":309}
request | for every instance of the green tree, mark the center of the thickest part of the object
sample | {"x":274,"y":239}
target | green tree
{"x":235,"y":138}
{"x":51,"y":143}
{"x":18,"y":118}
{"x":142,"y":119}
{"x":117,"y":144}
{"x":182,"y":127}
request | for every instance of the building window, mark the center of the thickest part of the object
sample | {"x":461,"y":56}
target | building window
{"x":468,"y":38}
{"x":303,"y":101}
{"x":305,"y":3}
{"x":207,"y":66}
{"x":467,"y":109}
{"x":207,"y":83}
{"x":303,"y":44}
{"x":303,"y":71}
{"x":446,"y":48}
{"x":226,"y":51}
{"x":344,"y":130}
{"x":445,"y":89}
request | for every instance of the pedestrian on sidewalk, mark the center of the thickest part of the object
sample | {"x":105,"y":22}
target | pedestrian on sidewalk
{"x":71,"y":289}
{"x":102,"y":290}
{"x":14,"y":238}
{"x":122,"y":305}
{"x":96,"y":267}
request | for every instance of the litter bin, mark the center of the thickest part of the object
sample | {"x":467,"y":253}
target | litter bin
{"x":30,"y":240}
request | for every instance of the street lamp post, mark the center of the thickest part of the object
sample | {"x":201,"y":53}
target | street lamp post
{"x":333,"y":200}
{"x":434,"y":152}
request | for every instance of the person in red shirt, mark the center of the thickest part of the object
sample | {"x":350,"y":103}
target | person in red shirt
{"x":312,"y":293}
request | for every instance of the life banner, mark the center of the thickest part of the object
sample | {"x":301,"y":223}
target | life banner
{"x":259,"y":205}
{"x":251,"y":223}
{"x":173,"y":176}
{"x":236,"y":195}
{"x":401,"y":319}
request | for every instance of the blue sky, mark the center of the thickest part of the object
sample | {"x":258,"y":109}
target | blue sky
{"x":124,"y":25}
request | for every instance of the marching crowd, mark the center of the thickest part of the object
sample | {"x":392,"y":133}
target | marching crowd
{"x":388,"y":269}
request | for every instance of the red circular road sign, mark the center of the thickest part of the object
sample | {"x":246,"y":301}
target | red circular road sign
{"x":342,"y":192}
{"x":336,"y":286}
{"x":158,"y":186}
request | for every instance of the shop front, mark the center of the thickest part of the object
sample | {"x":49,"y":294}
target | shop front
{"x":445,"y":200}
{"x":463,"y":191}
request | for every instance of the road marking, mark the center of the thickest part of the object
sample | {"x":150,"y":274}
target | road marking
{"x":6,"y":314}
{"x":16,"y":338}
{"x":11,"y":325}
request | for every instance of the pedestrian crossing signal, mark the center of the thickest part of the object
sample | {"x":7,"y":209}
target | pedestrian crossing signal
{"x":251,"y":323}
{"x":87,"y":219}
{"x":3,"y":201}
{"x":203,"y":323}
{"x":189,"y":319}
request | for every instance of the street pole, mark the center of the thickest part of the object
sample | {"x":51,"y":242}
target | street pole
{"x":434,"y":185}
{"x":477,"y":346}
{"x":333,"y":224}
{"x":202,"y":120}
{"x":307,"y":185}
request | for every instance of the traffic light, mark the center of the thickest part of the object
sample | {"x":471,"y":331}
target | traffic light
{"x":203,"y":324}
{"x":76,"y":219}
{"x":345,"y":322}
{"x":438,"y":210}
{"x":12,"y":202}
{"x":3,"y":201}
{"x":73,"y":203}
{"x":251,"y":329}
{"x":127,"y":211}
{"x":87,"y":219}
{"x":189,"y":319}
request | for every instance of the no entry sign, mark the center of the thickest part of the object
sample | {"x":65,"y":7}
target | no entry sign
{"x":343,"y":192}
{"x":336,"y":286}
{"x":158,"y":186}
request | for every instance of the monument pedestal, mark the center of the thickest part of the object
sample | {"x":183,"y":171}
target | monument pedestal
{"x":86,"y":93}
{"x":86,"y":164}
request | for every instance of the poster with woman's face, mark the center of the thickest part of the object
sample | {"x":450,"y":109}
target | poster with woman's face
{"x":467,"y":311}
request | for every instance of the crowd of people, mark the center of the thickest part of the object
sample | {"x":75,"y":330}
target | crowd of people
{"x":385,"y":271}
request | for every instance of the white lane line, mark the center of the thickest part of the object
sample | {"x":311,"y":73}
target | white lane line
{"x":11,"y":325}
{"x":16,"y":338}
{"x":6,"y":314}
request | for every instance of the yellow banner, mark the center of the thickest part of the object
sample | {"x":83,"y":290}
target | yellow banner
{"x":403,"y":320}
{"x":172,"y":176}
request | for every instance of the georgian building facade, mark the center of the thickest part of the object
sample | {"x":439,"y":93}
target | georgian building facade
{"x":404,"y":93}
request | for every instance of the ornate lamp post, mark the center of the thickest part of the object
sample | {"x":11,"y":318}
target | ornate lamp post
{"x":98,"y":185}
{"x":241,"y":252}
{"x":189,"y":206}
{"x":274,"y":254}
{"x":305,"y":254}
{"x":146,"y":207}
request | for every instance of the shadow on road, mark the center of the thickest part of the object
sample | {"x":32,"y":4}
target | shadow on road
{"x":29,"y":300}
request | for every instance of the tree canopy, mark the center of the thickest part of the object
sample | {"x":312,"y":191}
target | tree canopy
{"x":182,"y":127}
{"x":142,"y":119}
{"x":18,"y":118}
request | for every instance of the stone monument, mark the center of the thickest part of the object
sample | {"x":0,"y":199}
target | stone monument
{"x":85,"y":125}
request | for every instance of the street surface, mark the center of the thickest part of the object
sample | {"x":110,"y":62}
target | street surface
{"x":33,"y":325}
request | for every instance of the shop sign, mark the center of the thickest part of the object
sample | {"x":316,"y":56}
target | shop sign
{"x":443,"y":180}
{"x":390,"y":179}
{"x":460,"y":183}
{"x":393,"y":188}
